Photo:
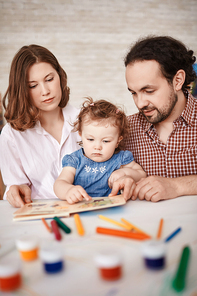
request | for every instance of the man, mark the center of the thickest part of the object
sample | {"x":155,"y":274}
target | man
{"x":163,"y":135}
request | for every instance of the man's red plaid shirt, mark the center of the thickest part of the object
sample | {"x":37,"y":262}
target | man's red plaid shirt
{"x":176,"y":158}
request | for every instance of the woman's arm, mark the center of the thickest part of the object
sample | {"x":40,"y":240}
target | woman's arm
{"x":18,"y":190}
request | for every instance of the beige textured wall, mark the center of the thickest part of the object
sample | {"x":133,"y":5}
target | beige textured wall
{"x":91,"y":37}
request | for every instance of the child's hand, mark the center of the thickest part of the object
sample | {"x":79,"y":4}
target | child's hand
{"x":76,"y":193}
{"x":115,"y":176}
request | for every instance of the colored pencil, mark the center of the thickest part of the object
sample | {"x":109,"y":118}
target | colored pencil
{"x":114,"y":222}
{"x":62,"y":225}
{"x":46,"y":225}
{"x":56,"y":230}
{"x":133,"y":227}
{"x":172,"y":235}
{"x":160,"y":229}
{"x":79,"y":225}
{"x":122,"y":233}
{"x":178,"y":282}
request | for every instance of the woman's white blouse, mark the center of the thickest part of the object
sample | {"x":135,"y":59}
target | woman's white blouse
{"x":34,"y":157}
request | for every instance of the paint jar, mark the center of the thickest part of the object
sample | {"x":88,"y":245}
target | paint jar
{"x":10,"y":277}
{"x":154,"y":254}
{"x":28,"y":248}
{"x":110,"y":265}
{"x":52,"y":259}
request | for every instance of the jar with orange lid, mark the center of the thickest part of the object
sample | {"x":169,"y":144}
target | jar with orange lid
{"x":28,"y":247}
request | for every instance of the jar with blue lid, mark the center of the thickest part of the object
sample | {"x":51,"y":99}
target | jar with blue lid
{"x":52,"y":259}
{"x":154,"y":254}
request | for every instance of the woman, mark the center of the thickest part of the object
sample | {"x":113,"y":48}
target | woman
{"x":38,"y":130}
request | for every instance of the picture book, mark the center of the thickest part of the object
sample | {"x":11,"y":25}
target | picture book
{"x":60,"y":208}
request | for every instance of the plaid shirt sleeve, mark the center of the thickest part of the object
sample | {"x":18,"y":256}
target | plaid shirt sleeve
{"x":176,"y":158}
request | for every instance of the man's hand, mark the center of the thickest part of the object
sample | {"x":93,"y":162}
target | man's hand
{"x":127,"y":184}
{"x":115,"y":176}
{"x":18,"y":195}
{"x":155,"y":188}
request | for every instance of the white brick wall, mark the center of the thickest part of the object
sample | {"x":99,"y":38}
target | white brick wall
{"x":91,"y":37}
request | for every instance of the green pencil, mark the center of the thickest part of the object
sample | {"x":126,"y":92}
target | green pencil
{"x":178,"y":282}
{"x":62,"y":225}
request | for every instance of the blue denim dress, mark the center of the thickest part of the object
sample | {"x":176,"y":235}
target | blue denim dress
{"x":93,"y":176}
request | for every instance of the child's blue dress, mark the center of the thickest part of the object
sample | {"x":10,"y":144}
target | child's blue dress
{"x":93,"y":176}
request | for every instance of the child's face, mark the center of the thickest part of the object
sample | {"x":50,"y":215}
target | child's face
{"x":100,"y":140}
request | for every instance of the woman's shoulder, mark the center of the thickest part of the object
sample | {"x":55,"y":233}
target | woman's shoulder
{"x":70,"y":112}
{"x":8,"y":131}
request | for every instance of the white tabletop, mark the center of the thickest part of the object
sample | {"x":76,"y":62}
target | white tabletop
{"x":80,"y":275}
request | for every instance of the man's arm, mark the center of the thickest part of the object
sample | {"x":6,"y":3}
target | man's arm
{"x":155,"y":188}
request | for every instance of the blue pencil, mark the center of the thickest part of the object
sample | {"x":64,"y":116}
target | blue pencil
{"x":172,"y":235}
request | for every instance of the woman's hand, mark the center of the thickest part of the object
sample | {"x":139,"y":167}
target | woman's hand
{"x":18,"y":195}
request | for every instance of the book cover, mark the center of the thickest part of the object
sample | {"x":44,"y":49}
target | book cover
{"x":60,"y":208}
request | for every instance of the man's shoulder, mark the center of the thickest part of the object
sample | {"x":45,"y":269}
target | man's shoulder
{"x":137,"y":121}
{"x":133,"y":116}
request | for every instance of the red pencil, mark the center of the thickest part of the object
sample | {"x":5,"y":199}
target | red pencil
{"x":122,"y":233}
{"x":56,"y":230}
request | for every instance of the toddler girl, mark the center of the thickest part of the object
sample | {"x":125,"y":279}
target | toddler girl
{"x":91,"y":171}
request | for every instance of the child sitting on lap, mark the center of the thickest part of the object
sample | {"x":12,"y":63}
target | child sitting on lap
{"x":91,"y":171}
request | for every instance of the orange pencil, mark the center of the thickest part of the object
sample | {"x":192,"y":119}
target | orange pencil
{"x":46,"y":225}
{"x":160,"y":229}
{"x":122,"y":233}
{"x":79,"y":225}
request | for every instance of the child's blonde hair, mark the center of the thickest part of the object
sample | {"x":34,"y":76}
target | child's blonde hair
{"x":102,"y":110}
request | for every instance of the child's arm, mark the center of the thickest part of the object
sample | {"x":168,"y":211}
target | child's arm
{"x":64,"y":188}
{"x":132,"y":169}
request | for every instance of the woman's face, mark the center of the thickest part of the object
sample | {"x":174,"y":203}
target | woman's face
{"x":44,"y":86}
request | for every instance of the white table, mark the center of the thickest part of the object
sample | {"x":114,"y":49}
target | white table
{"x":80,"y":276}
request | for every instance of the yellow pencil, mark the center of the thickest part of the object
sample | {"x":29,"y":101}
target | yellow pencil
{"x":79,"y":225}
{"x":160,"y":229}
{"x":115,"y":222}
{"x":133,"y":227}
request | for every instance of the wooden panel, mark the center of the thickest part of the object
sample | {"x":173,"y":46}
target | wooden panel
{"x":2,"y":187}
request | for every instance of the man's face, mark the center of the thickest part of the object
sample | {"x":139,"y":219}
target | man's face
{"x":153,"y":95}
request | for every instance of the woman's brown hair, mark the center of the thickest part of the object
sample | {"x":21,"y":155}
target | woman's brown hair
{"x":19,"y":110}
{"x":102,"y":110}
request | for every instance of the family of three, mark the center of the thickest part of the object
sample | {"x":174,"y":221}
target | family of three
{"x":49,"y":149}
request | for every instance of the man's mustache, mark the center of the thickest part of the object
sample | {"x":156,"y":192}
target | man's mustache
{"x":147,"y":108}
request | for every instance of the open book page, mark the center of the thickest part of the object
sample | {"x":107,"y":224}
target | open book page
{"x":50,"y":208}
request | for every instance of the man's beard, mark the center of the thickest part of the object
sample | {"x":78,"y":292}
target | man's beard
{"x":162,"y":113}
